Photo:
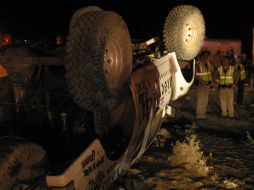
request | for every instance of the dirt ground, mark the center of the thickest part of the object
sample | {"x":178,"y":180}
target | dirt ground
{"x":228,"y":153}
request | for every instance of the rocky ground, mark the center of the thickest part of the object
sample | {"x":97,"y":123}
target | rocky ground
{"x":221,"y":155}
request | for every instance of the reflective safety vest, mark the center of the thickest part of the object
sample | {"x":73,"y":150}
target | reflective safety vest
{"x":241,"y":72}
{"x":205,"y":72}
{"x":3,"y":72}
{"x":226,"y":78}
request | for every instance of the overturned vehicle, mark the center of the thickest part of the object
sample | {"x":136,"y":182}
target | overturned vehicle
{"x":89,"y":127}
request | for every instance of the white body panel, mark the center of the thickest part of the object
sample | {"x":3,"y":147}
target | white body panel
{"x":153,"y":87}
{"x":179,"y":85}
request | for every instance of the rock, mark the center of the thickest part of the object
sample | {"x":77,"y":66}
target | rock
{"x":230,"y":184}
{"x":197,"y":185}
{"x":134,"y":171}
{"x":215,"y":178}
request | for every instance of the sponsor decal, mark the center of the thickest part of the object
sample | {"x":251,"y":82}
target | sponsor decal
{"x":165,"y":86}
{"x":92,"y":167}
{"x":162,"y":75}
{"x":89,"y":159}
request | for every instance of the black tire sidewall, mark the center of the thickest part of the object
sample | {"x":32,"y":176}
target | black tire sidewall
{"x":20,"y":160}
{"x":85,"y":60}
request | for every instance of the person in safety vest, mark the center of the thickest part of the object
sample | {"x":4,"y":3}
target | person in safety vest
{"x":240,"y":85}
{"x":227,"y":78}
{"x":204,"y":77}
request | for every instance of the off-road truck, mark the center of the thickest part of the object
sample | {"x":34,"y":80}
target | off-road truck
{"x":88,"y":128}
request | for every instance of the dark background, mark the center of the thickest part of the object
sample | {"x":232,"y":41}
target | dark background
{"x":46,"y":18}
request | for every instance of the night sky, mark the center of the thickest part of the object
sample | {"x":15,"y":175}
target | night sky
{"x":46,"y":18}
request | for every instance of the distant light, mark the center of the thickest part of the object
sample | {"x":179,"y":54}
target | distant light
{"x":6,"y":40}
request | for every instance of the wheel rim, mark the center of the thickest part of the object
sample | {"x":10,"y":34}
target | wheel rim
{"x":189,"y":32}
{"x":113,"y":62}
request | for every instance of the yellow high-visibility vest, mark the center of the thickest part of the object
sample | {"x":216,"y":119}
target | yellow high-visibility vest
{"x":205,"y":73}
{"x":226,"y":78}
{"x":242,"y":71}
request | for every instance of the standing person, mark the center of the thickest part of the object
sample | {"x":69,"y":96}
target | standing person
{"x":204,"y":77}
{"x":217,"y":58}
{"x":240,"y":85}
{"x":247,"y":65}
{"x":227,"y":78}
{"x":232,"y":56}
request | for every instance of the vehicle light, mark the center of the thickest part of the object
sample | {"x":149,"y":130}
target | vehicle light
{"x":70,"y":186}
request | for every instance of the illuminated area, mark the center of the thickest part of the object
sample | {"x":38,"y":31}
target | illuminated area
{"x":103,"y":95}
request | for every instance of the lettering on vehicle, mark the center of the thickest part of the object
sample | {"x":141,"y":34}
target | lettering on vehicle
{"x":165,"y":86}
{"x":89,"y":159}
{"x":88,"y":170}
{"x":162,"y":75}
{"x":96,"y":184}
{"x":148,"y":96}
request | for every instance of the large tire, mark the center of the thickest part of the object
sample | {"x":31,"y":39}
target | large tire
{"x":75,"y":17}
{"x":21,"y":162}
{"x":184,"y":31}
{"x":99,"y":60}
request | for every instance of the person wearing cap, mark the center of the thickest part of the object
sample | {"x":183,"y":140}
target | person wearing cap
{"x":204,"y":77}
{"x":227,"y":78}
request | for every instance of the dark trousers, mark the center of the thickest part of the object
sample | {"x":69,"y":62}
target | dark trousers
{"x":240,"y":91}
